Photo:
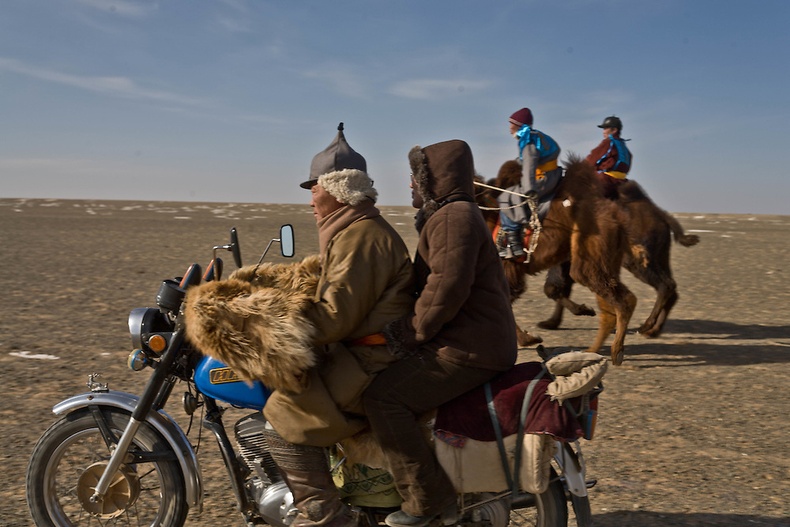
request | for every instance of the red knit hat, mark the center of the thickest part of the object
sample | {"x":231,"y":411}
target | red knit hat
{"x":522,"y":117}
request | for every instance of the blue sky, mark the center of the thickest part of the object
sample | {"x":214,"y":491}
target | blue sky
{"x":228,"y":100}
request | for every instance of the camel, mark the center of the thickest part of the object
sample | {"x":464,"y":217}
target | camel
{"x":585,"y":229}
{"x":649,"y":227}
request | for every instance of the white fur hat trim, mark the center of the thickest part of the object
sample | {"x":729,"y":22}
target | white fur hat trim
{"x":349,"y":186}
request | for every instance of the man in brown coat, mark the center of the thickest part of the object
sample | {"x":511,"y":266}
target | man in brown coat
{"x":460,"y":334}
{"x":366,"y":282}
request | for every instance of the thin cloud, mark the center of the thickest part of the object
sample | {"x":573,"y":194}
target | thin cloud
{"x":234,"y":25}
{"x":431,"y":89}
{"x":114,"y":86}
{"x":120,"y":7}
{"x":340,"y":78}
{"x":238,"y":5}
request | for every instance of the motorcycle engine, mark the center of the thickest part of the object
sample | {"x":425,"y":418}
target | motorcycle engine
{"x":265,"y":485}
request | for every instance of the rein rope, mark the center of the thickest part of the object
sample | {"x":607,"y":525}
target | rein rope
{"x":526,"y":198}
{"x":535,"y":226}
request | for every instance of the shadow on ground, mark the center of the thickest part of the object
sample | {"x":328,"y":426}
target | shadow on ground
{"x":655,"y":519}
{"x":686,"y":342}
{"x":727,"y":330}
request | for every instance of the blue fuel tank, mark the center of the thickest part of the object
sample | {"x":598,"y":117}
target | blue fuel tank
{"x":216,"y":380}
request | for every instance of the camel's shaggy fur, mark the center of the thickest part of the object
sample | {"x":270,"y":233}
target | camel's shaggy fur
{"x":589,"y":231}
{"x":254,"y":321}
{"x":650,"y":231}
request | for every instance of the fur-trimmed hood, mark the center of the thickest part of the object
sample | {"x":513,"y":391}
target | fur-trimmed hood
{"x":443,"y":172}
{"x":254,"y":321}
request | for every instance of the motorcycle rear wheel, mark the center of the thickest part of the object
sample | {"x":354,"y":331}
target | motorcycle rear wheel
{"x":69,"y":458}
{"x":549,"y":509}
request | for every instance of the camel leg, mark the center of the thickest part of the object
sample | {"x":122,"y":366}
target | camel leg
{"x":558,"y":288}
{"x":624,"y":312}
{"x":659,"y":276}
{"x":516,"y":279}
{"x":525,"y":339}
{"x":554,"y":321}
{"x":668,"y":297}
{"x":579,"y":310}
{"x":607,"y":320}
{"x":614,"y":315}
{"x":649,"y":322}
{"x":616,"y":303}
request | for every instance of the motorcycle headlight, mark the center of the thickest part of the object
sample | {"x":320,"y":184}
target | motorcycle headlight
{"x":150,"y":329}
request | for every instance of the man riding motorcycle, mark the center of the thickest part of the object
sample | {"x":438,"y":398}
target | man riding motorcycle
{"x":460,"y":334}
{"x":365,"y":283}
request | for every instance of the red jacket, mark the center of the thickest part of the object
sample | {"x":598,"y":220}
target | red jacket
{"x":605,"y":157}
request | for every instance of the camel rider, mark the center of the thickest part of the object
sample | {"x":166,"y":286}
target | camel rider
{"x":538,"y":154}
{"x":611,"y":157}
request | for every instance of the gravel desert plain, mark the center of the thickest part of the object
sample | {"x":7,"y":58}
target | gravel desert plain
{"x":693,"y":427}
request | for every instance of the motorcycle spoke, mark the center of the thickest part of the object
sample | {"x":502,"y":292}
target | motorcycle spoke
{"x":63,"y":479}
{"x":524,"y":517}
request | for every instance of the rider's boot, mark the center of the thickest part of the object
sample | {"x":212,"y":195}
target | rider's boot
{"x":306,"y":471}
{"x":510,"y":244}
{"x":502,"y":245}
{"x":515,"y":240}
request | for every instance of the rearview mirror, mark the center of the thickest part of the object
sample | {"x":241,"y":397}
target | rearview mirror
{"x":287,"y":241}
{"x":234,"y":247}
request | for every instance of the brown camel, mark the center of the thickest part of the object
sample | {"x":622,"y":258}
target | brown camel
{"x":649,"y":227}
{"x":585,"y":229}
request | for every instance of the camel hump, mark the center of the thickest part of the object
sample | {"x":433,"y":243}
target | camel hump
{"x":630,"y":191}
{"x":509,"y":174}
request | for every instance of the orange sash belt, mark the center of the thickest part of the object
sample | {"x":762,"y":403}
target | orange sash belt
{"x":616,"y":175}
{"x":540,"y":172}
{"x":376,"y":339}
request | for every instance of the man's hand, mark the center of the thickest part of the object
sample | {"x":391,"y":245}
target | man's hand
{"x":400,"y":337}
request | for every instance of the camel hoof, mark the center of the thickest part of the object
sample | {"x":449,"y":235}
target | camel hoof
{"x":646,"y":326}
{"x":617,"y":357}
{"x":549,"y":324}
{"x":649,"y":332}
{"x":525,"y":339}
{"x":584,"y":311}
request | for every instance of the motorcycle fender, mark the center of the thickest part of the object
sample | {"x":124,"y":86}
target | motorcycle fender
{"x":572,"y":466}
{"x":161,"y":422}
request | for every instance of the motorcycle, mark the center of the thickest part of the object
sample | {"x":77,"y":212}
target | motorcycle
{"x":114,"y":458}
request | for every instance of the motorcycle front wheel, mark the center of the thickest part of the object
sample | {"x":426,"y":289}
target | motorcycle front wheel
{"x":69,"y":459}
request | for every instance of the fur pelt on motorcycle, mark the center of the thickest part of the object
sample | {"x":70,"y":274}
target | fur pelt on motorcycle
{"x":254,"y":321}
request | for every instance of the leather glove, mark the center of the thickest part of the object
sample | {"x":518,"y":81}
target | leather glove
{"x":400,"y":336}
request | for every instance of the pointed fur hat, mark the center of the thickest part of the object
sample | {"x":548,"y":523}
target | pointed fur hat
{"x":342,"y":172}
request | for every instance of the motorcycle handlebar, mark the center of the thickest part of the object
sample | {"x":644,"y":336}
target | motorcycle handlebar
{"x":213,"y":271}
{"x":191,"y":277}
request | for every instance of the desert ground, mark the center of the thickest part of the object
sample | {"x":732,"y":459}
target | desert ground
{"x":692,"y":428}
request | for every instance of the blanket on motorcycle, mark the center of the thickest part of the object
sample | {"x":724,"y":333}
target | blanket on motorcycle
{"x":467,"y":416}
{"x":466,"y":443}
{"x":570,"y":375}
